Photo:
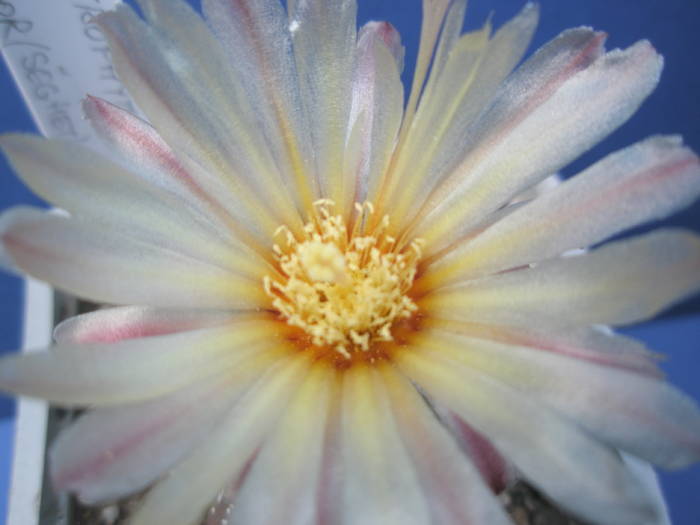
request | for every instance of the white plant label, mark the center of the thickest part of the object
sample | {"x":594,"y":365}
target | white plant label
{"x":57,"y":55}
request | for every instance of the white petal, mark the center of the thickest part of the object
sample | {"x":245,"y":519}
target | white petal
{"x":542,"y":187}
{"x":377,"y":108}
{"x":232,"y":103}
{"x":93,"y":188}
{"x":134,"y":369}
{"x":137,"y":143}
{"x":142,"y":150}
{"x":620,"y":283}
{"x":642,"y":415}
{"x":388,"y":34}
{"x":474,"y":69}
{"x":650,"y":480}
{"x":591,"y":344}
{"x":187,"y":90}
{"x":434,"y":12}
{"x":495,"y":470}
{"x":380,"y":486}
{"x":182,"y":497}
{"x":86,"y":260}
{"x":449,"y":36}
{"x":283,"y":483}
{"x":578,"y":473}
{"x":323,"y":35}
{"x":472,"y":72}
{"x":131,"y":322}
{"x":644,"y":182}
{"x":111,"y":452}
{"x":553,"y":108}
{"x":256,"y":39}
{"x":453,"y":488}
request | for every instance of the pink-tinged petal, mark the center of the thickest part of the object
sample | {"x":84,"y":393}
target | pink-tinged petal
{"x":644,"y":182}
{"x":388,"y":34}
{"x":247,"y":145}
{"x":103,"y":193}
{"x":644,"y":416}
{"x":255,"y":36}
{"x":331,"y":478}
{"x":493,"y":467}
{"x":568,"y":97}
{"x":131,"y":370}
{"x":182,"y":497}
{"x":379,"y":484}
{"x":84,"y":259}
{"x":455,"y":95}
{"x":453,"y":488}
{"x":324,"y":35}
{"x":132,"y":322}
{"x":111,"y":452}
{"x":620,"y":283}
{"x":187,"y":89}
{"x":545,"y":447}
{"x":287,"y":469}
{"x":138,"y":144}
{"x":376,"y":111}
{"x":592,"y":344}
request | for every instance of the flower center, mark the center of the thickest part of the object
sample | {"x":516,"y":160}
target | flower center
{"x":344,"y":288}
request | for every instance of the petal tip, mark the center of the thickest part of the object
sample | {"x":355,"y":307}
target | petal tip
{"x":531,"y":9}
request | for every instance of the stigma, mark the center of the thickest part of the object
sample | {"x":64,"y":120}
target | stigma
{"x":345,"y":287}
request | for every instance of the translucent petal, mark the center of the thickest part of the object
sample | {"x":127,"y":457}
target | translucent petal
{"x":588,"y":343}
{"x":449,"y":35}
{"x":642,"y":415}
{"x":283,"y":483}
{"x":495,"y":470}
{"x":453,"y":488}
{"x":138,"y":146}
{"x":84,"y":259}
{"x":132,"y":322}
{"x":473,"y":70}
{"x":112,"y":452}
{"x":434,"y":12}
{"x":546,"y":448}
{"x":323,"y":36}
{"x":644,"y":182}
{"x":620,"y":283}
{"x":196,"y":107}
{"x":256,"y":38}
{"x":95,"y":189}
{"x":567,"y":99}
{"x":134,"y":369}
{"x":377,"y":108}
{"x":182,"y":497}
{"x":380,"y":486}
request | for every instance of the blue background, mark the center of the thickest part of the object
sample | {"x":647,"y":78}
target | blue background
{"x":671,"y":25}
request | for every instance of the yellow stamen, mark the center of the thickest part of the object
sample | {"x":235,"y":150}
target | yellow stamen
{"x":344,"y":290}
